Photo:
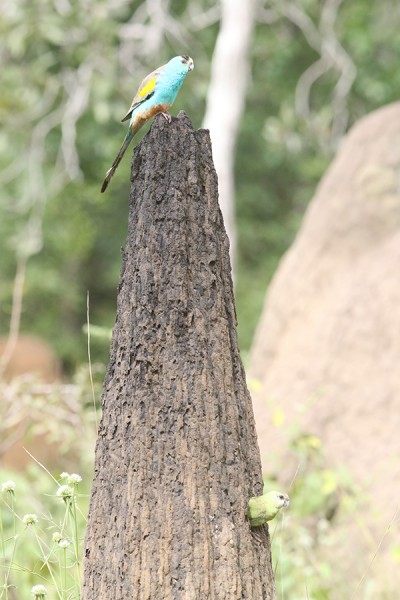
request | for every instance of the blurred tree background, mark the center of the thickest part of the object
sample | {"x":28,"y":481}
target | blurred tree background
{"x":68,"y":72}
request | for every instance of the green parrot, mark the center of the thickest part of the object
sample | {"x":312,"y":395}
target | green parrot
{"x":264,"y":508}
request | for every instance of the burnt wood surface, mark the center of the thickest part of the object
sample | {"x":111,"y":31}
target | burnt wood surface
{"x":177,"y":455}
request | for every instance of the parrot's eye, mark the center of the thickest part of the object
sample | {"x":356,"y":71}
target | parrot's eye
{"x":185,"y":58}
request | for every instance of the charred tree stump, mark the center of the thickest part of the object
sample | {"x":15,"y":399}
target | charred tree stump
{"x":177,"y":455}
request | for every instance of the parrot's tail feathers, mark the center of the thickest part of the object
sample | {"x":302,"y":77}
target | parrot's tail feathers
{"x":116,"y":162}
{"x":106,"y":181}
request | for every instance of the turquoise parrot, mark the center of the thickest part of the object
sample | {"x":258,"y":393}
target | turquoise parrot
{"x":264,"y":508}
{"x":156,"y":94}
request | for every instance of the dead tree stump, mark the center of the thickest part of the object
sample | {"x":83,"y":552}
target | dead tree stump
{"x":177,"y":454}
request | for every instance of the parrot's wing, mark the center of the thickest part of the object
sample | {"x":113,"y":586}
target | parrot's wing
{"x":256,"y":504}
{"x":256,"y":509}
{"x":145,"y":91}
{"x":260,"y":519}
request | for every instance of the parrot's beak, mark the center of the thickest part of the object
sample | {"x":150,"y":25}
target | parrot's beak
{"x":286,"y":502}
{"x":190,"y":65}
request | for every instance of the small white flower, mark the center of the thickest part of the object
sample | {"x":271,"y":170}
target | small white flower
{"x":64,"y":475}
{"x":74,"y":479}
{"x":39,"y":591}
{"x":64,"y":543}
{"x":57,"y":537}
{"x":8,"y":486}
{"x":30,"y":519}
{"x":65,"y":492}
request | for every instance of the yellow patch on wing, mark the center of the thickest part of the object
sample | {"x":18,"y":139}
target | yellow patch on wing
{"x":147,"y":88}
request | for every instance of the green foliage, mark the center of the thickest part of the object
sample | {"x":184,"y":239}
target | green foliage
{"x":64,"y":83}
{"x":282,"y":155}
{"x":45,"y":547}
{"x":309,"y":542}
{"x":319,"y":496}
{"x":57,"y":423}
{"x":68,"y":71}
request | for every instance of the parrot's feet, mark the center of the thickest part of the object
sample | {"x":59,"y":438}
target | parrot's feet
{"x":167,"y":117}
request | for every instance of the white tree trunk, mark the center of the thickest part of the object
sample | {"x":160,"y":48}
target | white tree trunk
{"x":226,"y":97}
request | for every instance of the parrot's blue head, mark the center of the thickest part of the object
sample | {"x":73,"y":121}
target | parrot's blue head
{"x":186,"y":60}
{"x":181,"y":64}
{"x":171,"y":78}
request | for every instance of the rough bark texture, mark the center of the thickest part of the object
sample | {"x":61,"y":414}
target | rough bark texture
{"x":177,"y":455}
{"x":327,"y":351}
